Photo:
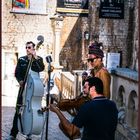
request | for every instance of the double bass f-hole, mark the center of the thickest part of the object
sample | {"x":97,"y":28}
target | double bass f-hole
{"x":29,"y":85}
{"x":28,"y":105}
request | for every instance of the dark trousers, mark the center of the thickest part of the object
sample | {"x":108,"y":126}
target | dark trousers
{"x":14,"y":130}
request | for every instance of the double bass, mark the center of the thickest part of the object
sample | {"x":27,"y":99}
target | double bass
{"x":30,"y":120}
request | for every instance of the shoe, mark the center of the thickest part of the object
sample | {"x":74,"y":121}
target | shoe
{"x":10,"y":138}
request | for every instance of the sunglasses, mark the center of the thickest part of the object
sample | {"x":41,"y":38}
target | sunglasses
{"x":92,"y":59}
{"x":28,"y":47}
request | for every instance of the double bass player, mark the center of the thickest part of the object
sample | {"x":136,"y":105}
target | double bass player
{"x":20,"y":72}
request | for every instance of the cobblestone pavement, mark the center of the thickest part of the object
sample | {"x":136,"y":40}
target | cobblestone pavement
{"x":8,"y":108}
{"x":54,"y":133}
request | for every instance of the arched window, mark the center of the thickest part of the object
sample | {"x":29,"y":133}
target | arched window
{"x":120,"y":97}
{"x":132,"y":114}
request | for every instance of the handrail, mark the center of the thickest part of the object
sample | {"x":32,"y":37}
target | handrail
{"x":67,"y":85}
{"x":71,"y":84}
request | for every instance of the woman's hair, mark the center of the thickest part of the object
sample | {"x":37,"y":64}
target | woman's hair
{"x":95,"y":49}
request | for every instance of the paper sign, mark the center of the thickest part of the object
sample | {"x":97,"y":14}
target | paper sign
{"x":113,"y":60}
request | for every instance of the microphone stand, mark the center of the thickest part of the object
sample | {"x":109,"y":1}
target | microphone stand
{"x":49,"y":60}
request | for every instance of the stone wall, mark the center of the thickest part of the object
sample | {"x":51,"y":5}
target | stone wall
{"x":126,"y":98}
{"x":118,"y":35}
{"x":19,"y":28}
{"x":71,"y":53}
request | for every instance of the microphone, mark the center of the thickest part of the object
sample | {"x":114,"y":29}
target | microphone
{"x":49,"y":59}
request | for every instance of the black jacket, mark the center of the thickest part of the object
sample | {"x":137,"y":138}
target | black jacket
{"x":21,"y":68}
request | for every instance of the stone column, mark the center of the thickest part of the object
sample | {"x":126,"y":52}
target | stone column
{"x":57,"y":23}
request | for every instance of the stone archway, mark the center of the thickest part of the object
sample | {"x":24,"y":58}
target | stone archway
{"x":132,"y":109}
{"x":120,"y":97}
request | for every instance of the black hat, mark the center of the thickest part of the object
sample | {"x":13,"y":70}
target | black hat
{"x":94,"y":48}
{"x":97,"y":82}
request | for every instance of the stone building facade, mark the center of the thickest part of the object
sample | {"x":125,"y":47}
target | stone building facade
{"x":17,"y":29}
{"x":124,"y":89}
{"x":119,"y":36}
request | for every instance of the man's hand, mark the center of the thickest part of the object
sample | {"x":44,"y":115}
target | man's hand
{"x":21,"y":83}
{"x":33,"y":52}
{"x":53,"y":108}
{"x":68,"y":128}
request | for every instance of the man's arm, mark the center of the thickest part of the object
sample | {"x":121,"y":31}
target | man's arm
{"x":69,"y":129}
{"x":38,"y":64}
{"x":18,"y":75}
{"x":106,"y":79}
